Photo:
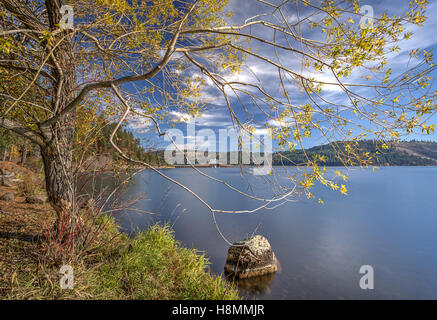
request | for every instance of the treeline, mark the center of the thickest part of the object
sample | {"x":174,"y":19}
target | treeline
{"x":372,"y":152}
{"x":406,"y":153}
{"x":130,"y":145}
{"x":17,"y":149}
{"x":344,"y":153}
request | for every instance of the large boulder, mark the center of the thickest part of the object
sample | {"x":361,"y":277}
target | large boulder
{"x":8,"y":196}
{"x":251,"y":257}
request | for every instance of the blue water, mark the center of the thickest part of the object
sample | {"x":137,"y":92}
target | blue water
{"x":388,"y":220}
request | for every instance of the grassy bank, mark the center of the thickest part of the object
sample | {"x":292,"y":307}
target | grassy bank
{"x":155,"y":266}
{"x":151,"y":265}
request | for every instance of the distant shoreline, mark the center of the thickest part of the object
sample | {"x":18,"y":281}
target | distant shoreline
{"x":277,"y":166}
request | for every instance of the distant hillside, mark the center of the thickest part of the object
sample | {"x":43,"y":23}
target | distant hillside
{"x":126,"y":141}
{"x":405,"y":153}
{"x":426,"y":150}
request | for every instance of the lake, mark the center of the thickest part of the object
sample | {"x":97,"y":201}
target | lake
{"x":388,"y":221}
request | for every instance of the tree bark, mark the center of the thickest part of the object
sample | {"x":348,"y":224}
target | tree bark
{"x":59,"y":181}
{"x":57,"y":153}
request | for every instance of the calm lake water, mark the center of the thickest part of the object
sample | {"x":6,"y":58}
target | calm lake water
{"x":388,"y":221}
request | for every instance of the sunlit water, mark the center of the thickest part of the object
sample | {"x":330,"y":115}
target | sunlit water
{"x":388,"y":221}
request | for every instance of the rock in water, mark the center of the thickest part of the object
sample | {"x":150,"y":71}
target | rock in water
{"x":251,"y":257}
{"x":8,"y":196}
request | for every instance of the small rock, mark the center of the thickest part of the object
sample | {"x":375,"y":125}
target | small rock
{"x":36,"y":199}
{"x":7,"y":183}
{"x":251,"y":257}
{"x":8,"y":196}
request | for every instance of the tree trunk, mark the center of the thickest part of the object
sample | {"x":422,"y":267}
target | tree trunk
{"x":57,"y":154}
{"x":11,"y":151}
{"x":59,"y":180}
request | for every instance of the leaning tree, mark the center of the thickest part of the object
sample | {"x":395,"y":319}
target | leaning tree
{"x":329,"y":62}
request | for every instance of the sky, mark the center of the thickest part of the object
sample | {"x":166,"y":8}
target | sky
{"x":216,"y":114}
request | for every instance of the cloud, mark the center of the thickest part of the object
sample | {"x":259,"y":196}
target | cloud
{"x":259,"y":72}
{"x":181,"y":116}
{"x":140,"y":125}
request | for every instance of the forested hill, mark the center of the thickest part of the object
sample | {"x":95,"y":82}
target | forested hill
{"x":405,"y":153}
{"x":130,"y":145}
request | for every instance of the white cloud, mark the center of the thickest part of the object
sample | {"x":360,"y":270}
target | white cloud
{"x":181,"y":116}
{"x":140,"y":124}
{"x":267,"y":75}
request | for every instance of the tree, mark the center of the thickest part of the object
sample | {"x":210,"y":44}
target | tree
{"x":144,"y":58}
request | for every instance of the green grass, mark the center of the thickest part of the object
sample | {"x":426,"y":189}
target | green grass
{"x":152,"y":265}
{"x":155,"y":266}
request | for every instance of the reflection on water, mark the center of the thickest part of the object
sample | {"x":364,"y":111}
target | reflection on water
{"x":254,"y":286}
{"x":388,"y":221}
